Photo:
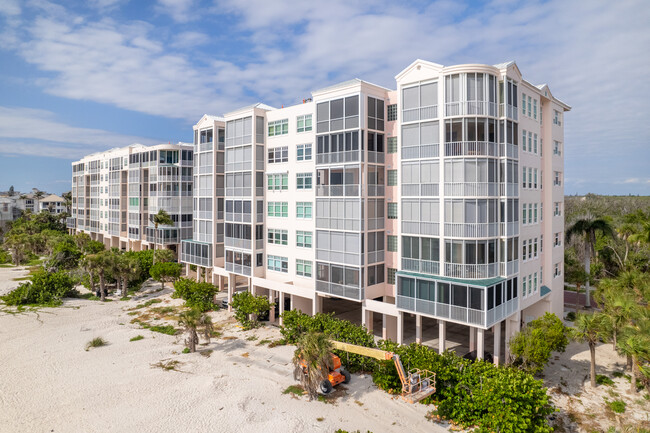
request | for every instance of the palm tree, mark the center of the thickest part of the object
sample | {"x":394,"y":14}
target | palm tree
{"x":620,"y":308}
{"x":129,"y":270}
{"x":91,"y":264}
{"x":590,"y":328}
{"x":101,"y":262}
{"x":192,"y":321}
{"x":313,"y":360}
{"x":634,"y":345}
{"x":162,"y":217}
{"x":587,"y":227}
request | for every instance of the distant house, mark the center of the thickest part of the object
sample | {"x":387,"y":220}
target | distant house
{"x":51,"y":203}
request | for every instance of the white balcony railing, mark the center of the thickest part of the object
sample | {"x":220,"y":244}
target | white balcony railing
{"x":471,"y":189}
{"x":456,"y":270}
{"x":421,"y":266}
{"x":471,"y":148}
{"x":472,"y":230}
{"x":338,"y":190}
{"x":421,"y":113}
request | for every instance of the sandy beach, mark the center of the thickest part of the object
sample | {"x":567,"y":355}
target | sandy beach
{"x":50,"y":383}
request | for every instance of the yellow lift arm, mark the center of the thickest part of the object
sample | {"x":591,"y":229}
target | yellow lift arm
{"x":416,"y":384}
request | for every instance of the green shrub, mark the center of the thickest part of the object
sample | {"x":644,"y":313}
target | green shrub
{"x":247,"y":307}
{"x":571,"y":316}
{"x":604,"y":380}
{"x":532,"y":346}
{"x":618,"y":406}
{"x":186,"y":350}
{"x":44,"y":289}
{"x":165,"y":272}
{"x":95,"y":342}
{"x":198,"y":296}
{"x":137,"y":338}
{"x":5,"y":257}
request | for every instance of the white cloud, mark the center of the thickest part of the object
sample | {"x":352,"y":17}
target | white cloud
{"x":189,"y":40}
{"x":27,"y":131}
{"x":179,"y":10}
{"x":10,"y":7}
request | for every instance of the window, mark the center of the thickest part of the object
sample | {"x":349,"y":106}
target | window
{"x":557,"y":208}
{"x":557,"y":178}
{"x":530,"y":213}
{"x":523,"y":136}
{"x":535,"y":179}
{"x":303,"y":239}
{"x":278,"y":127}
{"x":278,"y":209}
{"x":391,"y":144}
{"x":523,"y":213}
{"x":535,"y":144}
{"x":303,"y":123}
{"x":303,"y":209}
{"x":523,"y":104}
{"x":391,"y":275}
{"x":375,"y":114}
{"x":556,"y":148}
{"x":277,"y":181}
{"x":278,"y":264}
{"x":375,"y":274}
{"x":392,"y":113}
{"x":530,"y":141}
{"x":535,"y":109}
{"x":303,"y":180}
{"x":557,"y":270}
{"x":558,"y":239}
{"x":535,"y":214}
{"x":278,"y":237}
{"x":392,"y":243}
{"x":392,"y":211}
{"x":279,"y":154}
{"x":392,"y":177}
{"x":303,"y":152}
{"x":557,"y":118}
{"x":529,"y":105}
{"x":303,"y":268}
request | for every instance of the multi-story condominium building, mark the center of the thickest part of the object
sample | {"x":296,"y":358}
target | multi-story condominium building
{"x":427,"y":206}
{"x":116,"y":193}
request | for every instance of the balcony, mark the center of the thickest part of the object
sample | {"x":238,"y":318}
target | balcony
{"x":242,"y":244}
{"x":351,"y":190}
{"x":510,"y":111}
{"x":509,"y":189}
{"x":509,"y":268}
{"x":421,"y":113}
{"x":472,"y":230}
{"x":457,"y":270}
{"x":338,"y":157}
{"x":509,"y":229}
{"x":238,"y":217}
{"x":440,"y":310}
{"x":471,"y":148}
{"x":375,"y":257}
{"x":421,"y":228}
{"x":349,"y":292}
{"x":421,"y":266}
{"x":70,"y":223}
{"x":508,"y":150}
{"x":375,"y":223}
{"x":420,"y":190}
{"x":453,"y":109}
{"x":238,"y":269}
{"x":196,"y":253}
{"x":471,"y":189}
{"x":339,"y":224}
{"x":481,"y":108}
{"x":376,"y":157}
{"x":376,"y":190}
{"x":421,"y":151}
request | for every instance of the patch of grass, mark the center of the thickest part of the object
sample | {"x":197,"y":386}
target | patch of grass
{"x":294,"y":389}
{"x":230,"y":337}
{"x":601,"y":379}
{"x":132,"y":313}
{"x":263,"y":342}
{"x":147,"y":303}
{"x":206,"y":353}
{"x":324,"y":399}
{"x":89,"y":296}
{"x":34,"y":262}
{"x":6,"y":265}
{"x":618,"y":374}
{"x":167,"y":365}
{"x":137,"y":338}
{"x":251,"y":338}
{"x":163,"y":310}
{"x":358,"y":403}
{"x":617,"y":406}
{"x":95,"y":342}
{"x":280,"y":342}
{"x":163,"y":329}
{"x":20,"y":278}
{"x":125,"y":298}
{"x":186,"y":350}
{"x":320,"y":418}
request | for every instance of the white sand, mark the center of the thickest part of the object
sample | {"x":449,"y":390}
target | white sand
{"x":49,"y":383}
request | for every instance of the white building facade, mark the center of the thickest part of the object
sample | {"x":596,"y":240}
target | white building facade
{"x":116,"y":193}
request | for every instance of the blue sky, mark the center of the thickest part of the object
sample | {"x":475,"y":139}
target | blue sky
{"x":78,"y":77}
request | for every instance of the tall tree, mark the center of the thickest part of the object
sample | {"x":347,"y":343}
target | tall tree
{"x":162,"y":217}
{"x":587,"y":227}
{"x":192,"y":322}
{"x":590,"y":329}
{"x":11,"y":191}
{"x":312,"y":360}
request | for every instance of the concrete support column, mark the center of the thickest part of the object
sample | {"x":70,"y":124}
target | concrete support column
{"x":281,"y":304}
{"x":400,"y":327}
{"x":272,"y":310}
{"x":231,"y":289}
{"x":480,"y":346}
{"x":187,"y":269}
{"x":251,"y":287}
{"x":442,"y":335}
{"x":291,"y":307}
{"x":213,"y":279}
{"x":369,"y":320}
{"x":198,"y":274}
{"x":472,"y":339}
{"x":497,"y":343}
{"x":418,"y":329}
{"x":316,"y":304}
{"x":364,"y":317}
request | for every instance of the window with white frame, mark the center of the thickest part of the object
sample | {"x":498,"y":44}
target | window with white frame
{"x":535,"y":109}
{"x":303,"y":181}
{"x":524,"y":291}
{"x":303,"y":268}
{"x":304,"y":239}
{"x":557,"y":239}
{"x":535,"y":144}
{"x":278,"y":209}
{"x":535,"y":178}
{"x":303,"y":123}
{"x":278,"y":264}
{"x":529,"y":106}
{"x":303,"y":152}
{"x":278,"y":154}
{"x":278,"y":237}
{"x":535,"y":213}
{"x":557,"y":208}
{"x":304,"y":209}
{"x":541,"y":243}
{"x":557,"y":148}
{"x":278,"y":127}
{"x":523,"y":137}
{"x":557,"y":178}
{"x":523,"y":107}
{"x":557,"y":118}
{"x":277,"y":181}
{"x":524,"y":206}
{"x":524,"y":249}
{"x":557,"y":270}
{"x":535,"y":253}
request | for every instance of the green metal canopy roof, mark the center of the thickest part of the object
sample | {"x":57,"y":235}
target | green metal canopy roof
{"x":476,"y":283}
{"x":543,"y":291}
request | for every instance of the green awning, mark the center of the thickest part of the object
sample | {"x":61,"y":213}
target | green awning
{"x":476,"y":283}
{"x":543,"y":291}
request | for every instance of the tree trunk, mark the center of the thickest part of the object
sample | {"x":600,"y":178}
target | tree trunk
{"x":125,"y":287}
{"x":117,"y":286}
{"x":629,"y":362}
{"x":633,"y":378}
{"x":192,"y":340}
{"x":162,"y":284}
{"x":92,"y":281}
{"x":588,"y":271}
{"x":577,"y":295}
{"x":102,"y":287}
{"x":592,"y":350}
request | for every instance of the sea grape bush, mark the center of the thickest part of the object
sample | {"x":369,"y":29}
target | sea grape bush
{"x":44,"y":288}
{"x":199,"y":296}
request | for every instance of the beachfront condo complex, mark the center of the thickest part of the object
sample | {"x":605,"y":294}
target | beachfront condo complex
{"x":436,"y":206}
